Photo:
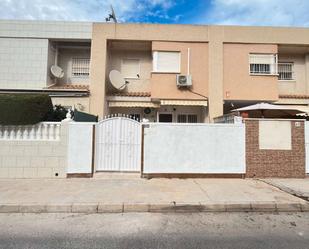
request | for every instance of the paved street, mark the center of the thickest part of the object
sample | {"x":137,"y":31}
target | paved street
{"x":150,"y":230}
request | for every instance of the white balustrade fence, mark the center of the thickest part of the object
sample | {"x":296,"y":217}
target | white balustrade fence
{"x":40,"y":131}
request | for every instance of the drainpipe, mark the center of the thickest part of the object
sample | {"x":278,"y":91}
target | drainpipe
{"x":188,"y":64}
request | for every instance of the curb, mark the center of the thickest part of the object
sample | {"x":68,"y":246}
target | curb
{"x":92,"y":208}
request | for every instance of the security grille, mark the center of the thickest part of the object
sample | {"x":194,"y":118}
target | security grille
{"x":286,"y":71}
{"x":80,"y":67}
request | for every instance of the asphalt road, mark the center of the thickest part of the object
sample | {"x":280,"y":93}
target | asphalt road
{"x":150,"y":230}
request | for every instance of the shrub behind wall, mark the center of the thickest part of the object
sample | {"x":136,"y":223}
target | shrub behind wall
{"x":24,"y":109}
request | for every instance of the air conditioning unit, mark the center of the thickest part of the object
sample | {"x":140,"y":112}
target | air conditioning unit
{"x":184,"y":80}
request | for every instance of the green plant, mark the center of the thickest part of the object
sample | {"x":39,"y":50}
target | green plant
{"x":24,"y":109}
{"x":57,"y":114}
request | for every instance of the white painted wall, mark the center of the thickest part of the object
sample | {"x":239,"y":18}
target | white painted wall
{"x":46,"y":29}
{"x":194,"y":148}
{"x":80,"y":147}
{"x":80,"y":103}
{"x":23,"y":63}
{"x":65,"y":62}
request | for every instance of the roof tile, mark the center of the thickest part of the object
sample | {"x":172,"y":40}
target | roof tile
{"x":132,"y":94}
{"x":69,"y":87}
{"x":293,"y":96}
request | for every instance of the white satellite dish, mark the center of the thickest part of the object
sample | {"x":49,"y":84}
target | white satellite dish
{"x":57,"y":71}
{"x":117,"y":80}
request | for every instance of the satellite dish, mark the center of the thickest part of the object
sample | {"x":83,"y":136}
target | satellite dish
{"x":57,"y":71}
{"x":117,"y":80}
{"x":112,"y":15}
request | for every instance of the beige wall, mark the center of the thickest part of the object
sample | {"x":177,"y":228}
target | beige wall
{"x":65,"y":57}
{"x":143,"y":32}
{"x":97,"y":103}
{"x":65,"y":62}
{"x":136,"y":85}
{"x":163,"y":85}
{"x":81,"y":103}
{"x":246,"y":88}
{"x":299,"y":84}
{"x":238,"y":83}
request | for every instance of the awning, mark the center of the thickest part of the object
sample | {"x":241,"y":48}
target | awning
{"x":184,"y":102}
{"x":304,"y":109}
{"x":132,"y":104}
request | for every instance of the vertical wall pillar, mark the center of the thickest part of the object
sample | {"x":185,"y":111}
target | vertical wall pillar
{"x":97,"y":72}
{"x":216,"y":34}
{"x":307,"y":72}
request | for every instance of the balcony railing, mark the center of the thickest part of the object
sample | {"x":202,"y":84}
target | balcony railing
{"x":286,"y":71}
{"x":41,"y":131}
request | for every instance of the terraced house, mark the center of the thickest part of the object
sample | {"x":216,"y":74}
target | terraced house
{"x":171,"y":73}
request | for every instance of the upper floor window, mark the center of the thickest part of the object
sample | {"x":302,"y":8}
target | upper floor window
{"x":286,"y":70}
{"x":130,"y":68}
{"x":166,"y":62}
{"x":263,"y":64}
{"x":80,"y":67}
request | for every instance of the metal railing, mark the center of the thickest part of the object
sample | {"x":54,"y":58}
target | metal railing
{"x":230,"y":118}
{"x":286,"y":71}
{"x":80,"y":67}
{"x":41,"y":131}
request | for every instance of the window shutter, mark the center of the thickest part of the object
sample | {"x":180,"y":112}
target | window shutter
{"x":130,"y":68}
{"x":262,"y":59}
{"x":166,"y":62}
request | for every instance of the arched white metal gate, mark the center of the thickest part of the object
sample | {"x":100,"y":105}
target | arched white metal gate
{"x":118,"y":145}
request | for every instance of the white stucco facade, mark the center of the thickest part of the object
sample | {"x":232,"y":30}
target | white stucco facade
{"x":23,"y":63}
{"x":194,"y":148}
{"x":26,"y":53}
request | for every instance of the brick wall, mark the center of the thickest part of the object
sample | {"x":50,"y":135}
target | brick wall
{"x":275,"y":163}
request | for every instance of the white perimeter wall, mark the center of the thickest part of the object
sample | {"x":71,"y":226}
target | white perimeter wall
{"x":194,"y":148}
{"x":80,"y":147}
{"x":21,"y":158}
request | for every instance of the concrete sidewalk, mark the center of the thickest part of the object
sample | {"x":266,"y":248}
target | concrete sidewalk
{"x":297,"y":187}
{"x":132,"y":194}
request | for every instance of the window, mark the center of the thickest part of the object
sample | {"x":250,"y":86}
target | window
{"x":130,"y":68}
{"x":263,"y":64}
{"x":186,"y":118}
{"x":80,"y":67}
{"x":166,"y":118}
{"x":166,"y":62}
{"x":286,"y":71}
